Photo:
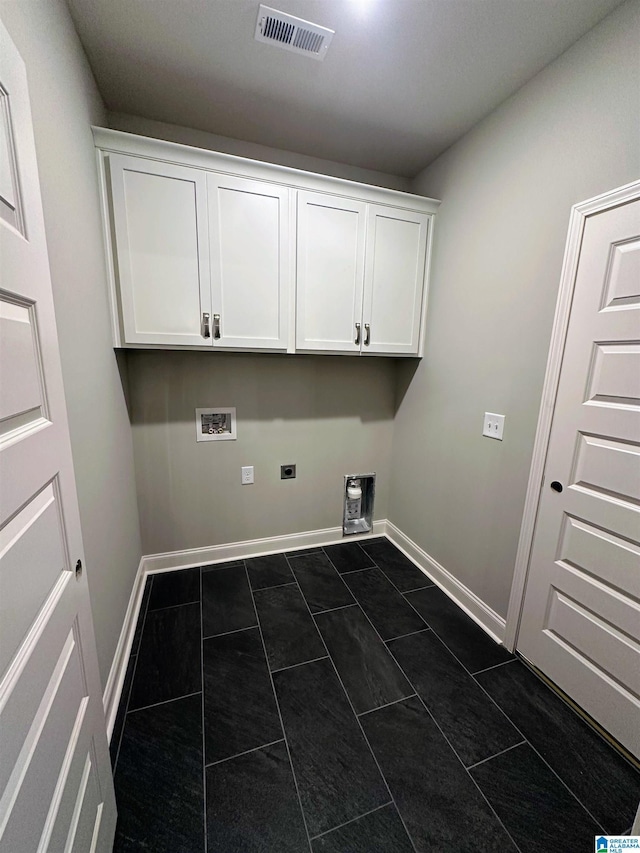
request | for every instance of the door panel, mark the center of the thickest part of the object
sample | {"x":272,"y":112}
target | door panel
{"x":161,"y":240}
{"x":394,"y":279}
{"x":50,"y":691}
{"x":250,"y":268}
{"x":581,"y":615}
{"x":330,"y":272}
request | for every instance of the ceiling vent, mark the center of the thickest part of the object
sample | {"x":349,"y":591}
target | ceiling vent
{"x":291,"y":33}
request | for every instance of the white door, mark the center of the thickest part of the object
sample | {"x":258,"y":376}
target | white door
{"x":330,"y":272}
{"x":394,"y":280}
{"x":251,"y":281}
{"x":581,"y":615}
{"x":161,"y":245}
{"x":56,"y":790}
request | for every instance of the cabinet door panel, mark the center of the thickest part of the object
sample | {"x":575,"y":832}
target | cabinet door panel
{"x":250,"y":268}
{"x":394,"y":279}
{"x":160,"y":222}
{"x":331,"y":236}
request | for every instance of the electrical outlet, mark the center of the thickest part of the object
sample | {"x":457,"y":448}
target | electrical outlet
{"x":493,"y":425}
{"x":247,"y":475}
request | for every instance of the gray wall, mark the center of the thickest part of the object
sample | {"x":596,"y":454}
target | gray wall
{"x":65,"y":102}
{"x":227,"y":145}
{"x":329,"y":415}
{"x":507,"y":188}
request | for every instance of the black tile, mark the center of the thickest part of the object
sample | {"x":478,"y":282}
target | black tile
{"x":348,"y":556}
{"x":383,"y":604}
{"x":252,"y":806}
{"x":159,"y":780}
{"x":171,"y":588}
{"x":337,"y":777}
{"x":396,"y":566}
{"x":533,"y":804}
{"x":169,"y":658}
{"x":473,"y":647}
{"x":381,"y":831}
{"x":135,"y":646}
{"x":289,"y":632}
{"x":302,"y":551}
{"x":601,"y":779}
{"x":118,"y":725}
{"x":441,"y":807}
{"x":227,"y":604}
{"x":370,"y":675}
{"x":271,"y":570}
{"x":240,"y":711}
{"x":475,"y":727}
{"x":321,"y":584}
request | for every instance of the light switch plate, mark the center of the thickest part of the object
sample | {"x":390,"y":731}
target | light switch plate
{"x":493,"y":425}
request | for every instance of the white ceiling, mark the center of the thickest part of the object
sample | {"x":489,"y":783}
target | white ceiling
{"x":401,"y":81}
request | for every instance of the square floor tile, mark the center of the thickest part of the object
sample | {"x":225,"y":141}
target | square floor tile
{"x":568,"y":744}
{"x":290,"y":634}
{"x":381,"y":831}
{"x":533,"y":804}
{"x":369,"y":674}
{"x":404,"y":574}
{"x":171,"y":588}
{"x":272,"y":570}
{"x":240,"y":711}
{"x":321,"y":584}
{"x":158,"y":782}
{"x":252,"y":805}
{"x":391,"y":614}
{"x":169,"y":658}
{"x":473,"y":647}
{"x":348,"y":557}
{"x":227,"y":603}
{"x":438,"y":801}
{"x":337,"y":777}
{"x":475,"y":726}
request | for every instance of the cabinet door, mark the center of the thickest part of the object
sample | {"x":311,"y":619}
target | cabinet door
{"x":160,"y":224}
{"x":331,"y":237}
{"x":394,"y":280}
{"x":249,"y":240}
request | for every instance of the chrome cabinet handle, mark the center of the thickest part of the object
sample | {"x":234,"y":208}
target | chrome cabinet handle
{"x":367,"y":329}
{"x":216,"y":326}
{"x":205,"y":326}
{"x":357,"y":340}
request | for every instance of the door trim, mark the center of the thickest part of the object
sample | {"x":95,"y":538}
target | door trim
{"x":579,"y":215}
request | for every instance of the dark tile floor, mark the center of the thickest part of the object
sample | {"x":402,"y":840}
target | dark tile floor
{"x":336,"y":701}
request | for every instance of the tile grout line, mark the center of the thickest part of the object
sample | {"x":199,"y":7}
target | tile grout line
{"x":245,"y":752}
{"x":164,"y":702}
{"x":352,"y":571}
{"x":353,"y":820}
{"x":204,"y":756}
{"x":495,"y":755}
{"x":294,"y":665}
{"x":504,"y":713}
{"x":274,"y":586}
{"x":353,"y":710}
{"x":488,"y":668}
{"x":226,"y":633}
{"x":386,"y":705}
{"x":410,"y":634}
{"x":135,"y":667}
{"x":171,"y":606}
{"x":446,"y":739}
{"x":275,"y":696}
{"x":332,"y":609}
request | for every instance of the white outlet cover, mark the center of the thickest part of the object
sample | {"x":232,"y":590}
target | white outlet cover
{"x":493,"y":425}
{"x":247,"y":475}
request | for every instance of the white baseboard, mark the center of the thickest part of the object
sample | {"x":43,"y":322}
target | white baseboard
{"x":480,"y":612}
{"x":190,"y":558}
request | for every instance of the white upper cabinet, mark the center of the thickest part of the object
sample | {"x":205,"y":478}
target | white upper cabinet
{"x":212,"y":251}
{"x":160,"y":229}
{"x":394,"y":280}
{"x":330,"y":272}
{"x":251,"y":276}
